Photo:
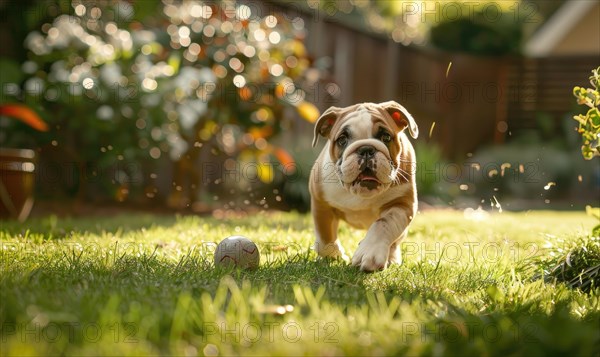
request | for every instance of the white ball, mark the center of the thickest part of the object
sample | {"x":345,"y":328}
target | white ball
{"x":237,"y":251}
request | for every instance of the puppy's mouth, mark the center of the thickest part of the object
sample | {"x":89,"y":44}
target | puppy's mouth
{"x":368,"y":179}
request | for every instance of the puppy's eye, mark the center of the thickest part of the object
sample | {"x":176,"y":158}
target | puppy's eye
{"x":386,"y":137}
{"x":342,"y":140}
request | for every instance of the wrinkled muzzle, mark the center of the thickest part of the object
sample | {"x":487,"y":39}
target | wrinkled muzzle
{"x":366,"y":168}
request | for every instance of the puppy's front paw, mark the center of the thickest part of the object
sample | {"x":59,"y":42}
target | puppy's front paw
{"x":395,"y":255}
{"x":371,"y":256}
{"x":330,"y":250}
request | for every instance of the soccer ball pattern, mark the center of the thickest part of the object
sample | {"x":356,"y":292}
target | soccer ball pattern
{"x":237,"y":251}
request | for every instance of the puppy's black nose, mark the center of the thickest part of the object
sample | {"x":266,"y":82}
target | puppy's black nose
{"x":366,"y":151}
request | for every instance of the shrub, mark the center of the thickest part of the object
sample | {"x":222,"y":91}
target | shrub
{"x":589,"y":123}
{"x":476,"y":34}
{"x":122,"y":86}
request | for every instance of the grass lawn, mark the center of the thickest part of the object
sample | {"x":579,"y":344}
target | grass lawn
{"x":145,"y":284}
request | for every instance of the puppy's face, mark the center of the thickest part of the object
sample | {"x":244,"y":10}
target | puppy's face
{"x":366,"y":145}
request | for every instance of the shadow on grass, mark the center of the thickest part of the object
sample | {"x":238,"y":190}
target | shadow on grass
{"x":53,"y":227}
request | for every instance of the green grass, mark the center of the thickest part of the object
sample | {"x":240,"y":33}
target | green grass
{"x":144,"y":284}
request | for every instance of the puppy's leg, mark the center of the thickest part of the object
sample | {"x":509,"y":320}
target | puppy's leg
{"x":381,"y":243}
{"x":395,"y":256}
{"x":326,"y":225}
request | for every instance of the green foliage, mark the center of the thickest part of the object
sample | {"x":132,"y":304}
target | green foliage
{"x":577,"y":264}
{"x":10,"y":73}
{"x":537,"y":164}
{"x":475,"y":33}
{"x":429,"y":159}
{"x":144,"y":284}
{"x":574,"y":262}
{"x":523,"y":170}
{"x":482,"y":27}
{"x":589,"y":123}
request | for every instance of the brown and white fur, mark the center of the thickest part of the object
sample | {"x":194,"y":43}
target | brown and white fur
{"x":365,"y":175}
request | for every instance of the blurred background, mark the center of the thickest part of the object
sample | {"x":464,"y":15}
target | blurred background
{"x":208,"y":106}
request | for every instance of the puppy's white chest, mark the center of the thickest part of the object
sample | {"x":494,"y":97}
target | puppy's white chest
{"x":338,"y":197}
{"x":357,"y":211}
{"x":360,"y":219}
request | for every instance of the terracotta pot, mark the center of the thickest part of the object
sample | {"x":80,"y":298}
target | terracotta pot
{"x":17,"y":180}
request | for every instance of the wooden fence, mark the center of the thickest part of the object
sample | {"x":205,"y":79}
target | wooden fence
{"x":473,"y":100}
{"x":545,"y":86}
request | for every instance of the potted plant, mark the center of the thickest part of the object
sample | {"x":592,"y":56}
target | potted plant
{"x":17,"y":167}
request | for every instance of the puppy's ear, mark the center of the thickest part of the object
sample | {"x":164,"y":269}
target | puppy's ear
{"x":325,"y":123}
{"x":402,"y":117}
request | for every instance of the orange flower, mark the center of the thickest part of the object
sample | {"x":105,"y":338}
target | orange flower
{"x":308,"y":111}
{"x":284,"y":157}
{"x":25,"y":114}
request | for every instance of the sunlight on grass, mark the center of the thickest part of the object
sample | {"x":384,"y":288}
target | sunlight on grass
{"x":144,"y":284}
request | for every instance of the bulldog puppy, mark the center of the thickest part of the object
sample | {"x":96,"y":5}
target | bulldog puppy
{"x":365,"y":175}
